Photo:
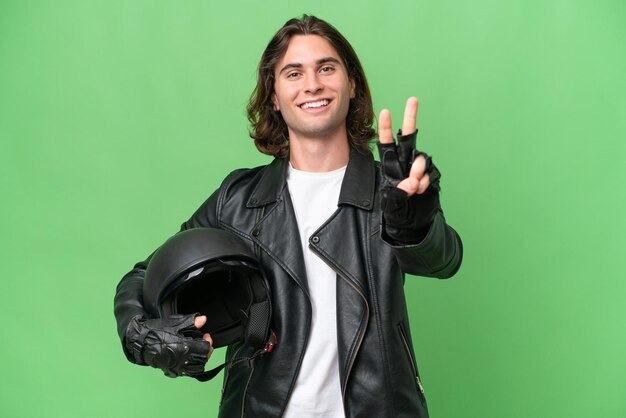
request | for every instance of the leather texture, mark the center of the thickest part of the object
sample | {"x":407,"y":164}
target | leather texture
{"x":378,"y":372}
{"x":407,"y":219}
{"x":172,"y":344}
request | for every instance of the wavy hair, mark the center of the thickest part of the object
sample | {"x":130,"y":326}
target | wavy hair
{"x":267,"y":127}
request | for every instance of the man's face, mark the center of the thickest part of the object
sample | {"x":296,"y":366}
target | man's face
{"x":312,"y":89}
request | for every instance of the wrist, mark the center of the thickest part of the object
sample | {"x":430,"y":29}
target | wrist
{"x":134,"y":336}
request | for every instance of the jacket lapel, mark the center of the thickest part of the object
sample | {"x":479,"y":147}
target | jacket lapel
{"x":343,"y":242}
{"x":341,"y":239}
{"x":277,"y":230}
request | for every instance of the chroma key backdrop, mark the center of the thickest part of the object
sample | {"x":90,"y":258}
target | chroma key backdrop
{"x":118,"y":118}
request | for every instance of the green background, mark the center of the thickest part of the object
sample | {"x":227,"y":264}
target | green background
{"x":118,"y":118}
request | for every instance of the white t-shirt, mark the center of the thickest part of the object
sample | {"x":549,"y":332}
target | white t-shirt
{"x":317,"y":393}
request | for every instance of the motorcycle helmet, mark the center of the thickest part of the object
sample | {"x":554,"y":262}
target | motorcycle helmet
{"x":212,"y":272}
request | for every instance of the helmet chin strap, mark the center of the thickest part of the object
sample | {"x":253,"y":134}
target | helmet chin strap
{"x":210,"y":374}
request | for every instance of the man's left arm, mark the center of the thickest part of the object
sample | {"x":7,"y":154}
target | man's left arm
{"x":413,"y":222}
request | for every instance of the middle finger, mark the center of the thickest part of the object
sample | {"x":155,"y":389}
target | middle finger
{"x":410,"y":114}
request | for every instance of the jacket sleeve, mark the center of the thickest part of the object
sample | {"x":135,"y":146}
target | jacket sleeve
{"x":438,"y":254}
{"x":128,"y":301}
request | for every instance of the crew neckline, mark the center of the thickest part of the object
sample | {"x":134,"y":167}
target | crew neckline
{"x":317,"y":174}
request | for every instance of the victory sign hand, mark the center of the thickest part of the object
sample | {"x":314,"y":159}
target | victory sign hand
{"x":399,"y":160}
{"x":410,"y":188}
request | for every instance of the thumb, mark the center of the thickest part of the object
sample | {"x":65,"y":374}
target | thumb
{"x":199,"y":321}
{"x":410,"y":185}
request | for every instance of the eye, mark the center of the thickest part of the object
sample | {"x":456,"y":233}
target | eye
{"x":292,"y":75}
{"x":327,"y":69}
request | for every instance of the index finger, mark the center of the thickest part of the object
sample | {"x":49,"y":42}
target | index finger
{"x":410,"y":114}
{"x":385,"y":133}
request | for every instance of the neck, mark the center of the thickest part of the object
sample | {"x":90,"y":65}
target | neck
{"x":319,"y":155}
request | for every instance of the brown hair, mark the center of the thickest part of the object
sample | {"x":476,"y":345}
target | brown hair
{"x":267,"y":127}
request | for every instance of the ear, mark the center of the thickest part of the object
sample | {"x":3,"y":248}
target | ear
{"x":352,"y":88}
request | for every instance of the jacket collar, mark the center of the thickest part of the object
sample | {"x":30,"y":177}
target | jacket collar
{"x":357,"y":189}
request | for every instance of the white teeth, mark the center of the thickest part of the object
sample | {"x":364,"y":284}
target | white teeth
{"x":314,"y":104}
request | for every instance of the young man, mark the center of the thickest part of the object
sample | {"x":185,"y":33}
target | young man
{"x":335,"y":233}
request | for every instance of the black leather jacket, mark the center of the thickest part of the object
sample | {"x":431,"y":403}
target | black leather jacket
{"x":378,"y":373}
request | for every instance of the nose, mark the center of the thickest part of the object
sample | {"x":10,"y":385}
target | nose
{"x":312,"y":83}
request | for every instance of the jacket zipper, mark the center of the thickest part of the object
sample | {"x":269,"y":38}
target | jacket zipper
{"x":367,"y":316}
{"x":408,"y":352}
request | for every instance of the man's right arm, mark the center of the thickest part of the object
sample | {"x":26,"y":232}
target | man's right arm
{"x":128,"y":302}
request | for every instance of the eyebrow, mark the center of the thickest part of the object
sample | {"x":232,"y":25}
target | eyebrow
{"x":320,"y":61}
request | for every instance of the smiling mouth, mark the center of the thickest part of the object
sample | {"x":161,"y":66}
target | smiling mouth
{"x":314,"y":105}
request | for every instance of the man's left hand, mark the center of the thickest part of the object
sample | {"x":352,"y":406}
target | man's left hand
{"x":416,"y":181}
{"x":410,"y":189}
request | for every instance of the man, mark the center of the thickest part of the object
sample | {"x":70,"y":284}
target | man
{"x":335,"y":233}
